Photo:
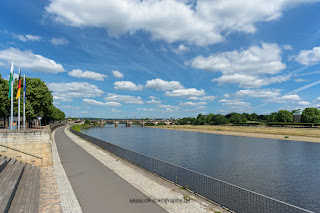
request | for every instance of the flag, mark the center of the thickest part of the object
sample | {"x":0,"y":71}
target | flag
{"x":24,"y":89}
{"x":10,"y":79}
{"x":19,"y":87}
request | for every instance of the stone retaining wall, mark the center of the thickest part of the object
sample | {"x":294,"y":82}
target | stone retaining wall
{"x":30,"y":146}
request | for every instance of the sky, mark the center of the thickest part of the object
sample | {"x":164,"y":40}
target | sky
{"x":166,"y":58}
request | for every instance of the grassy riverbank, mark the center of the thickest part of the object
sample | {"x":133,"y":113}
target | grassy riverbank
{"x":299,"y":134}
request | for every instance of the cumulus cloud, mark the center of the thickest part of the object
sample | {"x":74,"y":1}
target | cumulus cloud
{"x":87,"y":74}
{"x":309,"y":57}
{"x":181,"y":48}
{"x":204,"y":98}
{"x":249,"y":68}
{"x":264,"y":59}
{"x":117,"y":74}
{"x":154,"y":97}
{"x":115,"y":110}
{"x":235,"y":104}
{"x":27,"y":37}
{"x":193,"y":104}
{"x":162,"y":85}
{"x":126,"y":85}
{"x":68,"y":91}
{"x":259,"y":93}
{"x":202,"y":23}
{"x":99,"y":103}
{"x":285,"y":99}
{"x":287,"y":47}
{"x":304,"y":103}
{"x":30,"y":61}
{"x":128,"y":99}
{"x":153,"y":101}
{"x":186,"y":93}
{"x":169,"y":107}
{"x":250,"y":81}
{"x":59,"y":41}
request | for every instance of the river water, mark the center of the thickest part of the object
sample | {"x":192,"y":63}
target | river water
{"x":285,"y":170}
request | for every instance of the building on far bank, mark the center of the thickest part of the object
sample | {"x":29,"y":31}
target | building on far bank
{"x":297,"y":116}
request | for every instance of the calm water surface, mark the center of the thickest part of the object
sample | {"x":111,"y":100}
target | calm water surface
{"x":286,"y":170}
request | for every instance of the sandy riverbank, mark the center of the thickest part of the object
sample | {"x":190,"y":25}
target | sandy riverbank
{"x":295,"y":134}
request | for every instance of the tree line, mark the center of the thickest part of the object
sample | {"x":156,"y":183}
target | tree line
{"x":39,"y":101}
{"x":309,"y":115}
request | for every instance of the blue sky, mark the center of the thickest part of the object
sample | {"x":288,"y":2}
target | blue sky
{"x":169,"y":58}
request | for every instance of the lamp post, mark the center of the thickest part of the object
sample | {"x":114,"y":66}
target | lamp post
{"x":39,"y":118}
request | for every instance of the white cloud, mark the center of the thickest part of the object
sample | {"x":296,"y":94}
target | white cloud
{"x":153,"y":101}
{"x":287,"y":47}
{"x":202,"y":23}
{"x":318,"y":99}
{"x":68,"y":91}
{"x":115,"y":110}
{"x":298,"y":80}
{"x":304,"y":103}
{"x":193,"y":104}
{"x":309,"y":57}
{"x":117,"y":74}
{"x":249,"y":81}
{"x":87,"y":74}
{"x":145,"y":109}
{"x":259,"y":93}
{"x":294,"y":97}
{"x":27,"y":37}
{"x":128,"y":99}
{"x":59,"y":41}
{"x":185,"y":93}
{"x":29,"y":60}
{"x":169,"y":107}
{"x":70,"y":107}
{"x":235,"y":104}
{"x":204,"y":98}
{"x":200,"y":107}
{"x":249,"y":68}
{"x":226,"y":95}
{"x":181,"y":48}
{"x":99,"y":103}
{"x":254,"y":61}
{"x":162,"y":85}
{"x":154,"y":97}
{"x":285,"y":99}
{"x":126,"y":85}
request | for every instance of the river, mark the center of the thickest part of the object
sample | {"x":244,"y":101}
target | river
{"x":285,"y":170}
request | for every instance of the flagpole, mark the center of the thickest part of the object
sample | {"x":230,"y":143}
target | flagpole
{"x":11,"y":124}
{"x":24,"y":102}
{"x":19,"y":104}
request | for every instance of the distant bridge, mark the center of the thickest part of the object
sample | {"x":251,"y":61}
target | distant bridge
{"x":129,"y":122}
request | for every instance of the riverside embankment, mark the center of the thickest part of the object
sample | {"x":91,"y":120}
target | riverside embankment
{"x":243,"y":161}
{"x":282,"y":133}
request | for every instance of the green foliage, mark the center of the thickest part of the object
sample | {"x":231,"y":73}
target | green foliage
{"x":237,"y":118}
{"x":87,"y":122}
{"x":284,"y":116}
{"x":219,"y":120}
{"x":310,"y":115}
{"x":39,"y":101}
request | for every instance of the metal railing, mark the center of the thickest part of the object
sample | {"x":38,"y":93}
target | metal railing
{"x":228,"y":195}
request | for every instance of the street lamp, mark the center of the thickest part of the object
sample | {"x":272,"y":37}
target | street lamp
{"x":39,"y":118}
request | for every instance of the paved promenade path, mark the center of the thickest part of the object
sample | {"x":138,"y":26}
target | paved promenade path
{"x":97,"y":188}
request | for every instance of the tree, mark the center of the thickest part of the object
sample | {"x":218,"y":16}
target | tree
{"x":220,"y":119}
{"x":201,"y":120}
{"x":237,"y":118}
{"x":4,"y":100}
{"x":284,"y":116}
{"x":310,"y":115}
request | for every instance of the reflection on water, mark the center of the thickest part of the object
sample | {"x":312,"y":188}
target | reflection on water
{"x":285,"y":170}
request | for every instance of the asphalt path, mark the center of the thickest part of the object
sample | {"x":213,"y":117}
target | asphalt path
{"x":97,"y":188}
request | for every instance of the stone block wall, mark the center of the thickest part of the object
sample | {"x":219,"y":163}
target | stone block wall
{"x":30,"y":146}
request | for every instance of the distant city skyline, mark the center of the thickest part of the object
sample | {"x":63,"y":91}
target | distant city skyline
{"x":170,"y":58}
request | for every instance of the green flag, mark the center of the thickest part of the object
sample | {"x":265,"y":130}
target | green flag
{"x":10,"y":79}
